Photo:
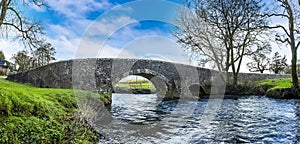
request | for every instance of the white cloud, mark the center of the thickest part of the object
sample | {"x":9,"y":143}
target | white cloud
{"x":108,"y":26}
{"x":88,"y":48}
{"x":112,"y":52}
{"x":67,"y":38}
{"x":62,"y":30}
{"x":65,"y":47}
{"x":85,"y":48}
{"x":10,"y":47}
{"x":77,"y":36}
{"x":77,"y":8}
{"x":155,"y":47}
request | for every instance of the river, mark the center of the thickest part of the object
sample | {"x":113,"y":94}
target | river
{"x":247,"y":119}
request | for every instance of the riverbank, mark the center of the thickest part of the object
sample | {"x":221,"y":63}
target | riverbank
{"x":281,"y":88}
{"x":274,"y":88}
{"x":42,"y":115}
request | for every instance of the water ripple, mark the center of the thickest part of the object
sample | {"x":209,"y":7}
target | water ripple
{"x":252,"y":119}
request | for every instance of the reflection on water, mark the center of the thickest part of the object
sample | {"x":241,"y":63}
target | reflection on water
{"x":249,"y":119}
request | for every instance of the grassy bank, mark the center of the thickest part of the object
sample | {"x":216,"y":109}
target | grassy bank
{"x":277,"y":83}
{"x":275,"y":88}
{"x":280,"y":88}
{"x":42,"y":115}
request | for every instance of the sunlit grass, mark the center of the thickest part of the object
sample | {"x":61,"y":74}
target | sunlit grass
{"x":136,"y":86}
{"x":41,"y":115}
{"x":277,"y":83}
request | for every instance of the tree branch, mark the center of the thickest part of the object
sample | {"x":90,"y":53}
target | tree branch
{"x":274,"y":14}
{"x":282,"y":41}
{"x":278,"y":26}
{"x":297,"y":46}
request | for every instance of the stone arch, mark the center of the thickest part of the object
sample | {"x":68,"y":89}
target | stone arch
{"x":160,"y":81}
{"x":197,"y":90}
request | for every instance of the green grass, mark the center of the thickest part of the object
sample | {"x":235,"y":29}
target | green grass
{"x":136,"y":86}
{"x":277,"y":83}
{"x":42,"y":115}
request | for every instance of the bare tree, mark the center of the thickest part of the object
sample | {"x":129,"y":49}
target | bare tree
{"x":223,"y":31}
{"x":12,"y":21}
{"x":289,"y":11}
{"x":200,"y":42}
{"x":260,"y":62}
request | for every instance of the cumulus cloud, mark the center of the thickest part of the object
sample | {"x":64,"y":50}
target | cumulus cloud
{"x":88,"y":48}
{"x":68,"y":40}
{"x":65,"y":47}
{"x":107,"y":26}
{"x":78,"y":8}
{"x":10,"y":47}
{"x":77,"y":36}
{"x":155,"y":47}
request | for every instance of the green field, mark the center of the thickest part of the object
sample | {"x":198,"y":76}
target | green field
{"x":277,"y":83}
{"x":136,"y":86}
{"x":42,"y":115}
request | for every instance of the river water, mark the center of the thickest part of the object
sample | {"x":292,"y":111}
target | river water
{"x":247,"y":119}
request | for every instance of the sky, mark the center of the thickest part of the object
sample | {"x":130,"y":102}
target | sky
{"x":111,"y":29}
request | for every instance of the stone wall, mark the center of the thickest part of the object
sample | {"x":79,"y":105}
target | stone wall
{"x":258,"y":76}
{"x":55,"y":75}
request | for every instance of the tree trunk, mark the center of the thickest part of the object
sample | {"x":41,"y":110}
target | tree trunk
{"x":294,"y":68}
{"x":293,"y":48}
{"x":235,"y":79}
{"x":3,"y":11}
{"x":234,"y":73}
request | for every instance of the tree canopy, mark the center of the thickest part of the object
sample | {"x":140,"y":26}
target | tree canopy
{"x":260,"y":63}
{"x":40,"y":57}
{"x":278,"y":64}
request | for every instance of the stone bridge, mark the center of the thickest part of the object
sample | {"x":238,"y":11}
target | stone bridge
{"x":171,"y":80}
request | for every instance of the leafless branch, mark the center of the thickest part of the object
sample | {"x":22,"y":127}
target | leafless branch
{"x":278,"y":26}
{"x":29,"y":32}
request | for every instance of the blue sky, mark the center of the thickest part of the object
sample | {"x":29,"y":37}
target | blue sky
{"x":109,"y":28}
{"x":102,"y":28}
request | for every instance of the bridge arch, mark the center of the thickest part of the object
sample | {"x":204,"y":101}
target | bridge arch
{"x":197,"y":90}
{"x":161,"y":82}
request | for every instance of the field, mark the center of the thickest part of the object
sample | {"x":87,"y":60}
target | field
{"x":136,"y":85}
{"x":278,"y":83}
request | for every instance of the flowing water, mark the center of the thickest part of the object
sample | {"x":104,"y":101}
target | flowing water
{"x":251,"y":119}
